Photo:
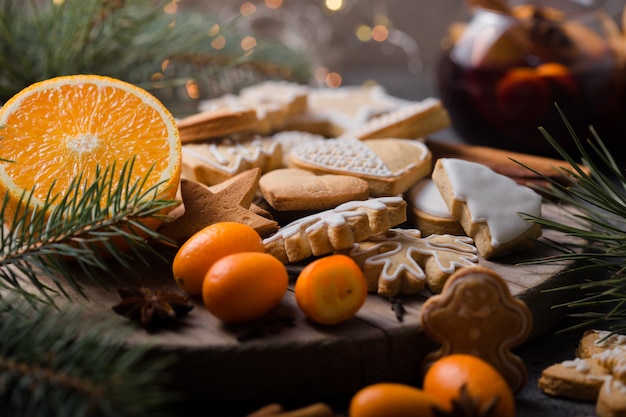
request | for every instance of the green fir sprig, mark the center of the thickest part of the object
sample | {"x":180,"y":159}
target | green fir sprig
{"x":594,"y":217}
{"x":55,"y":360}
{"x":80,"y":232}
{"x":136,"y":41}
{"x":57,"y":363}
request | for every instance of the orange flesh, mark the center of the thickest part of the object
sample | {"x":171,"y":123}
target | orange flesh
{"x":69,"y":130}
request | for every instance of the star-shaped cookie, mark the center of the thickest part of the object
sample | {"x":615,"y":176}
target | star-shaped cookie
{"x":227,"y":201}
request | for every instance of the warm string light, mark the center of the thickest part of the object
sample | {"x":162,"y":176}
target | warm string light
{"x":171,"y":7}
{"x":310,"y":28}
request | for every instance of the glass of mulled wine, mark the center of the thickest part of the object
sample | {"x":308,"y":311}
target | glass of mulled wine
{"x":507,"y":72}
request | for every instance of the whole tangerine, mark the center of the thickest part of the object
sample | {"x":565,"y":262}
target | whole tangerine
{"x":194,"y":258}
{"x":391,"y":399}
{"x":244,"y":286}
{"x":448,"y":376}
{"x":330,"y":290}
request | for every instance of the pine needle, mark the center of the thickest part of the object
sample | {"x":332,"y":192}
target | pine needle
{"x":78,"y":233}
{"x":57,"y":363}
{"x":594,"y":210}
{"x":135,"y":41}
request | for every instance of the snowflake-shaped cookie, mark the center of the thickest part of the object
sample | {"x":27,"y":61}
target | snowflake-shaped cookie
{"x":400,"y":261}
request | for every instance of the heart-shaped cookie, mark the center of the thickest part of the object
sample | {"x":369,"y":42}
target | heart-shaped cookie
{"x":297,"y":189}
{"x":390,"y":166}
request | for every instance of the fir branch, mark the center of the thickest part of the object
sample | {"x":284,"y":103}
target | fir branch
{"x":131,"y":40}
{"x":55,"y":362}
{"x":594,"y":215}
{"x":80,"y":231}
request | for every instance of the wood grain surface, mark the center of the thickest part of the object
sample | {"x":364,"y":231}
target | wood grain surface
{"x":287,"y":357}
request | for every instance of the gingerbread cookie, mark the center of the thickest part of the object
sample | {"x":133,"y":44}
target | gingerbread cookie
{"x":275,"y":102}
{"x":598,"y":373}
{"x":611,"y":400}
{"x":578,"y":378}
{"x":333,"y":111}
{"x":488,"y":205}
{"x":390,"y":166}
{"x":211,"y":162}
{"x":288,"y":139}
{"x":597,"y":341}
{"x":298,"y":189}
{"x":230,"y":202}
{"x":429,"y":212}
{"x":408,"y":122}
{"x":476,"y":314}
{"x":400,"y":261}
{"x":335,"y":229}
{"x":219,"y":120}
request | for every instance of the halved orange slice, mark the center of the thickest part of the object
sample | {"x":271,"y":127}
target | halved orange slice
{"x":57,"y":129}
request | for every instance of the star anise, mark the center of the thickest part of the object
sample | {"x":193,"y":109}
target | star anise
{"x":152,"y":308}
{"x":467,"y":406}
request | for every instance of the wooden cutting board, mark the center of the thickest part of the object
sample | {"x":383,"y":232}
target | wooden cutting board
{"x":280,"y":361}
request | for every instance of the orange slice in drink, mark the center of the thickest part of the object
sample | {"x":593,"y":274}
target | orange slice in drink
{"x":67,"y":126}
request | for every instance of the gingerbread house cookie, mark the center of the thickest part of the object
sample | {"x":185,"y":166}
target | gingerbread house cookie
{"x":489,"y":206}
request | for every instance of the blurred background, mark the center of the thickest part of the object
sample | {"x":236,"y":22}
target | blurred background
{"x":186,"y":51}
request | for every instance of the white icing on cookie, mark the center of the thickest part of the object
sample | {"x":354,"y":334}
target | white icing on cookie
{"x":351,"y":106}
{"x":492,"y":198}
{"x":334,"y":217}
{"x":425,"y":196}
{"x":352,"y":156}
{"x":228,"y":156}
{"x":395,"y":116}
{"x":606,"y":338}
{"x":349,"y":155}
{"x":450,"y":252}
{"x":288,"y":139}
{"x":580,"y":365}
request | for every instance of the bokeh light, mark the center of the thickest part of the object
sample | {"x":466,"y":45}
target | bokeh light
{"x":219,"y":42}
{"x":334,"y":80}
{"x":334,"y":5}
{"x":214,"y":30}
{"x":193,"y":90}
{"x":247,"y":9}
{"x":248,"y":43}
{"x":171,"y":7}
{"x":380,"y":33}
{"x":273,"y":4}
{"x":363,"y":33}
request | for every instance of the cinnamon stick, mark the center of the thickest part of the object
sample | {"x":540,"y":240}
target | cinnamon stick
{"x":504,"y":162}
{"x":313,"y":410}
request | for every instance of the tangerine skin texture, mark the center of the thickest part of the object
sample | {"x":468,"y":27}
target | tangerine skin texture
{"x":444,"y":378}
{"x":244,"y":286}
{"x":331,"y":289}
{"x":391,"y":399}
{"x":196,"y":256}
